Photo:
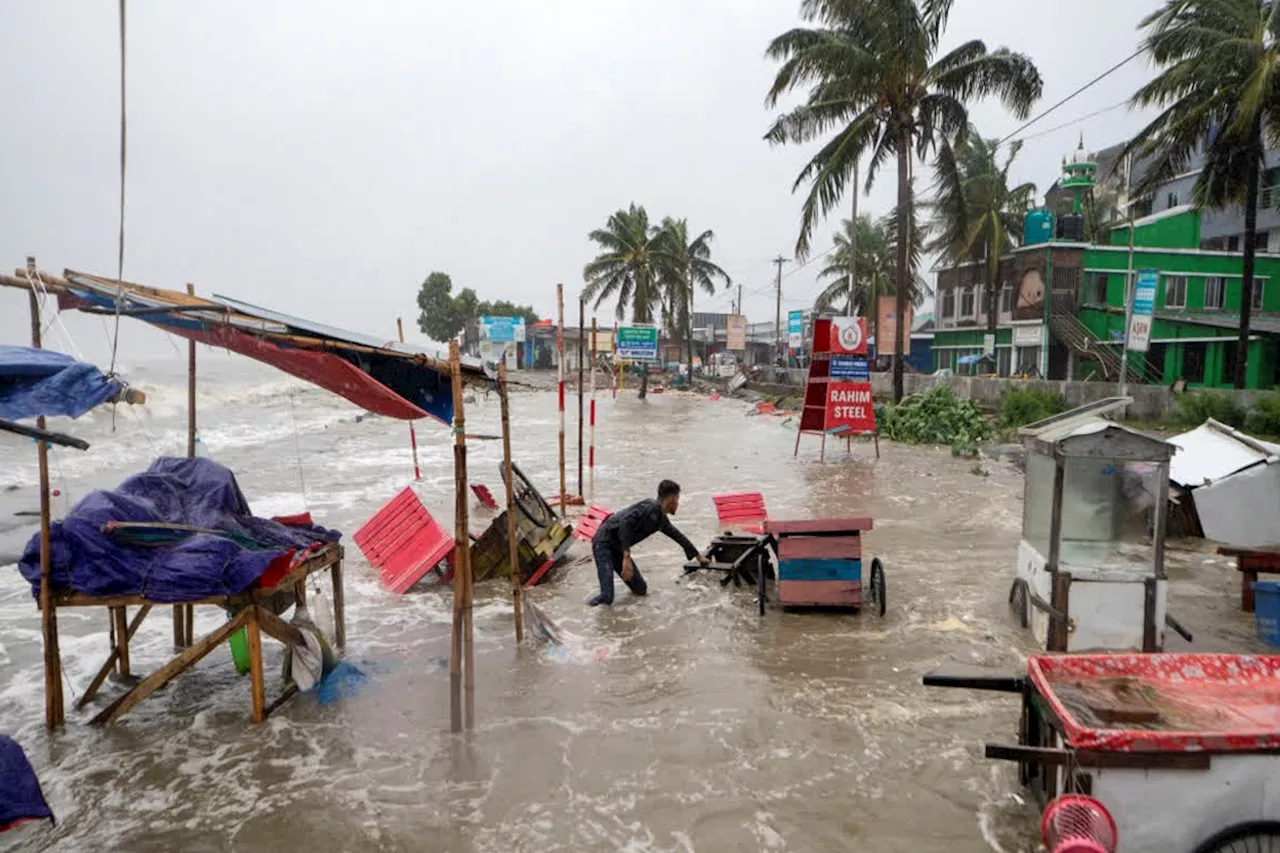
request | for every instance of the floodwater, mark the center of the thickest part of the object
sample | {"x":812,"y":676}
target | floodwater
{"x":686,"y":722}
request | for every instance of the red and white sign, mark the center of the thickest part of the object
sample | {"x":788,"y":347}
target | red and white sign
{"x":849,"y":335}
{"x":849,"y":405}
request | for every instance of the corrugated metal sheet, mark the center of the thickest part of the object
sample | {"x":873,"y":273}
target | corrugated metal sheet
{"x":1214,"y":451}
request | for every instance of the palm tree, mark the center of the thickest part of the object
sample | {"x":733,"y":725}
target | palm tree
{"x":1218,"y":90}
{"x":976,"y":215}
{"x":625,"y":269}
{"x":685,"y":266}
{"x":872,"y":77}
{"x":875,"y":267}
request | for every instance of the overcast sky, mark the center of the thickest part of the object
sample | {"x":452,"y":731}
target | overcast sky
{"x":321,"y":157}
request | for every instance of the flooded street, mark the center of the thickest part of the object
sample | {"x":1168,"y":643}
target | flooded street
{"x":686,"y":722}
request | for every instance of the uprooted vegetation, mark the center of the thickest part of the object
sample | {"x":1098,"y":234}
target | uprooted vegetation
{"x":936,"y":416}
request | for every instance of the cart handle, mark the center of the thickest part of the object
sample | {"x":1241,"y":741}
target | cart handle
{"x":1178,"y":627}
{"x":998,"y":683}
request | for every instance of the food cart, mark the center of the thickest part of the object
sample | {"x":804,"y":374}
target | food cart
{"x":1181,"y":749}
{"x":1090,"y":571}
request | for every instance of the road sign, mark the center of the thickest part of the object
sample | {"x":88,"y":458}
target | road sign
{"x":638,"y":343}
{"x":1144,"y":305}
{"x":795,"y":329}
{"x":852,"y":367}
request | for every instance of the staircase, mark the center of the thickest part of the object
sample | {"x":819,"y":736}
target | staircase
{"x":1067,"y":328}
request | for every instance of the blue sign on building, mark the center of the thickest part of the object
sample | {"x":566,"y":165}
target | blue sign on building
{"x":850,"y":367}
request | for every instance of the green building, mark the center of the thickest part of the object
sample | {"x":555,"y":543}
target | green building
{"x":1061,"y":312}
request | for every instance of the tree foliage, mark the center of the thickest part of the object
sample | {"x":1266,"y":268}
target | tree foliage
{"x":684,"y":267}
{"x":1218,"y":92}
{"x":875,"y":86}
{"x":442,"y":315}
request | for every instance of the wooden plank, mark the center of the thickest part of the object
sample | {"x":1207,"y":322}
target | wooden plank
{"x":121,"y":617}
{"x":256,"y":679}
{"x":278,"y":629}
{"x":820,"y":570}
{"x":98,"y":679}
{"x":339,"y":606}
{"x":819,"y":593}
{"x":820,"y":547}
{"x":169,"y":671}
{"x":818,"y":526}
{"x":1272,"y":554}
{"x":997,"y":683}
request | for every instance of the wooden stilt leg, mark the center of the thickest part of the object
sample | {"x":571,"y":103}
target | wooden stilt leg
{"x":121,"y":617}
{"x":339,"y":610}
{"x":173,"y":668}
{"x":189,"y":620}
{"x":797,"y":450}
{"x":822,"y":456}
{"x":179,"y":627}
{"x":114,"y":657}
{"x":257,"y":684}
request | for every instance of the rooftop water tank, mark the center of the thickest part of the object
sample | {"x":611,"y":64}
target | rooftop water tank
{"x":1071,"y":228}
{"x":1037,"y":227}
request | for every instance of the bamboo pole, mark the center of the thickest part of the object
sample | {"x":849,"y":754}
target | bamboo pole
{"x":560,"y":364}
{"x":462,"y":662}
{"x":413,"y":436}
{"x":591,"y":451}
{"x":582,"y":322}
{"x":54,"y":713}
{"x":183,"y":614}
{"x":513,"y":544}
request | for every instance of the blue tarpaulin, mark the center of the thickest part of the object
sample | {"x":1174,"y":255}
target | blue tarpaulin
{"x":36,"y":382}
{"x":20,"y":796}
{"x":974,"y":359}
{"x":194,"y":492}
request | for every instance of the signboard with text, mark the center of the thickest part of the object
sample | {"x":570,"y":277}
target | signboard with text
{"x":1144,"y":306}
{"x":850,"y":367}
{"x":850,"y":407}
{"x":736,"y":329}
{"x":795,"y":329}
{"x":502,"y":329}
{"x":638,"y":343}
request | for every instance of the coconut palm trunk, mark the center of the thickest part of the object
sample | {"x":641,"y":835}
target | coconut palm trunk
{"x":904,"y":227}
{"x":688,"y":327}
{"x":1252,"y":177}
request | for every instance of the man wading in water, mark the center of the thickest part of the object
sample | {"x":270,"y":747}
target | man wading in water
{"x":631,"y":526}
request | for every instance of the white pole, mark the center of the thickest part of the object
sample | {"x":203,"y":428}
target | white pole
{"x":1128,"y":282}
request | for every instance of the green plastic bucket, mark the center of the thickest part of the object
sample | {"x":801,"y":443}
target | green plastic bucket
{"x":240,"y":650}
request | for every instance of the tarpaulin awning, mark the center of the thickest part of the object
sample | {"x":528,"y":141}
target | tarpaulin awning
{"x":228,"y":551}
{"x":35,"y":382}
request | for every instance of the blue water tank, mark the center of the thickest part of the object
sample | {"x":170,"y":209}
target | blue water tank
{"x":1037,"y":227}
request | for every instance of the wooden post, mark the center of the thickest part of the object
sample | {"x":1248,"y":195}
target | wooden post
{"x":256,"y":676}
{"x":413,"y":436}
{"x":560,"y":362}
{"x":339,"y":606}
{"x":513,"y":544}
{"x":1060,"y":591}
{"x":582,"y":322}
{"x":183,"y":614}
{"x":462,"y":651}
{"x":121,"y":617}
{"x":591,"y":448}
{"x":54,"y":713}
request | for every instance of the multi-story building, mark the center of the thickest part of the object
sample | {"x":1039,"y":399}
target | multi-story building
{"x":1061,"y":311}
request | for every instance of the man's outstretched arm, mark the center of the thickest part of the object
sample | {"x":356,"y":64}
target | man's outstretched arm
{"x":690,"y":552}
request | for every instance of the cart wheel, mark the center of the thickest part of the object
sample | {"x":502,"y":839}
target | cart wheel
{"x":877,"y":584}
{"x":1259,"y":836}
{"x":527,"y":498}
{"x":1020,"y":602}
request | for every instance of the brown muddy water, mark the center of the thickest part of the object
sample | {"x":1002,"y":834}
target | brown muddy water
{"x":682,"y":722}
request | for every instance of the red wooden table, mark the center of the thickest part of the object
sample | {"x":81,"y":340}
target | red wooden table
{"x":1249,"y":562}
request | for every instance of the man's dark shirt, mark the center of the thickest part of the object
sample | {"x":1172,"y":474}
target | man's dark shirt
{"x":636,"y":523}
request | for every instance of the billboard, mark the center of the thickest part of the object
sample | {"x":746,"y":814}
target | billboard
{"x":795,"y":329}
{"x":504,"y":330}
{"x":887,"y":326}
{"x":1144,"y":305}
{"x":736,"y":332}
{"x":638,"y":343}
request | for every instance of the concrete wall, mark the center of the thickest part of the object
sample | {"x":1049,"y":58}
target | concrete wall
{"x":1150,"y":402}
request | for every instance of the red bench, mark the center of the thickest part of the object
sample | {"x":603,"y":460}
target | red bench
{"x":404,"y":542}
{"x":743,"y":511}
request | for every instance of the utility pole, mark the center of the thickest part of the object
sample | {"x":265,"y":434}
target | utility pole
{"x":779,"y":261}
{"x":1128,"y":282}
{"x":853,"y":241}
{"x":738,"y":309}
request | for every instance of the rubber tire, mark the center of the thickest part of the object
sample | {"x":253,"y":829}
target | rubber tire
{"x":877,"y":584}
{"x":1020,"y":602}
{"x":1236,"y":839}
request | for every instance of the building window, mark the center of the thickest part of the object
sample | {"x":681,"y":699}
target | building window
{"x":1215,"y":293}
{"x":966,"y":302}
{"x":1175,"y":291}
{"x":1230,"y":349}
{"x":1256,"y":302}
{"x":986,"y":302}
{"x":1006,"y":300}
{"x":1142,"y":207}
{"x":1193,"y":362}
{"x":1097,"y":288}
{"x":1171,"y":200}
{"x":1233,"y":243}
{"x":948,"y":303}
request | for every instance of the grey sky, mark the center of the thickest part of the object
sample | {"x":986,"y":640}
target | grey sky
{"x":322,"y":157}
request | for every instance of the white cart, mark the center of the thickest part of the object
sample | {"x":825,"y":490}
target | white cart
{"x":1090,"y":573}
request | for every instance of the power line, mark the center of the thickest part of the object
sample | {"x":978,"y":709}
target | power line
{"x":1065,"y":125}
{"x":1101,"y":76}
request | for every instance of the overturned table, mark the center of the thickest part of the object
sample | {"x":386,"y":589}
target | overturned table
{"x":253,"y":615}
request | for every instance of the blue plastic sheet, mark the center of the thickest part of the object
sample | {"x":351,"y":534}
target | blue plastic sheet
{"x":36,"y":382}
{"x":20,"y":796}
{"x":196,"y":492}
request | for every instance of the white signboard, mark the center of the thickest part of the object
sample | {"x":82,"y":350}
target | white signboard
{"x":1144,"y":303}
{"x":1028,"y":336}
